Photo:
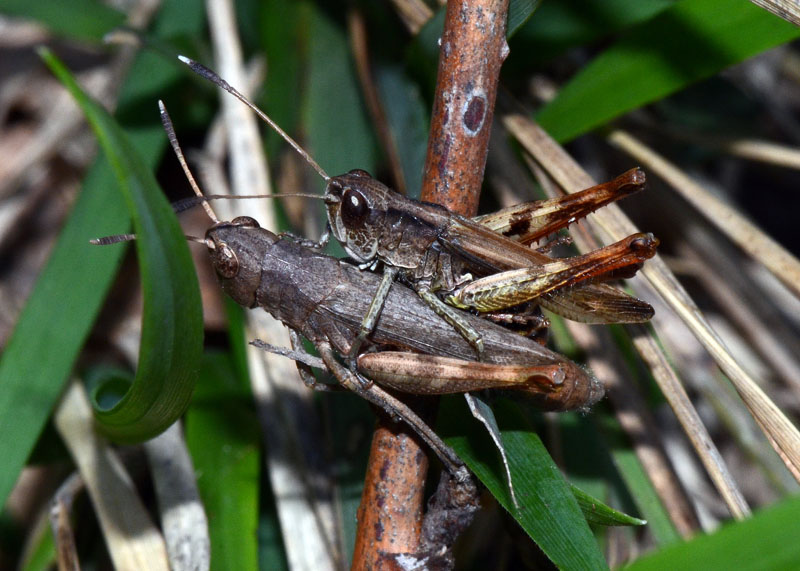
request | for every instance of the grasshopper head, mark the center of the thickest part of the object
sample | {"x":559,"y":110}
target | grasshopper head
{"x":356,"y":205}
{"x":237,"y":250}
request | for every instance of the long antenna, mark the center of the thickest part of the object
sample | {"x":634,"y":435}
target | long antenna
{"x":206,"y":73}
{"x":173,"y":140}
{"x":187,"y":203}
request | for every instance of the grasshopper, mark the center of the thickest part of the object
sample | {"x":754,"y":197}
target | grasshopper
{"x":481,"y":264}
{"x":322,"y":299}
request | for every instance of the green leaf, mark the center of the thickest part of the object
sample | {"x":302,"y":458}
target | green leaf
{"x":56,"y":320}
{"x":650,"y":62}
{"x":40,"y":550}
{"x":645,"y":496}
{"x":172,"y":323}
{"x":339,"y":131}
{"x":637,"y":482}
{"x":599,"y":513}
{"x":548,"y":512}
{"x":76,"y":19}
{"x":768,"y":540}
{"x":408,"y":120}
{"x":223,"y":438}
{"x":335,"y":119}
{"x":559,"y":26}
{"x":519,"y":11}
{"x":281,"y":35}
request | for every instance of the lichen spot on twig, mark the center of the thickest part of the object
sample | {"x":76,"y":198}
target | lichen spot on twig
{"x":474,"y":113}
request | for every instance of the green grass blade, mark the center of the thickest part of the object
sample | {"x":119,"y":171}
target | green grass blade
{"x":689,"y":41}
{"x":172,"y":324}
{"x":599,"y":513}
{"x":223,"y":437}
{"x":67,"y":297}
{"x":548,"y":512}
{"x":282,"y":37}
{"x":766,"y":541}
{"x":408,"y":121}
{"x":559,"y":26}
{"x":57,"y":318}
{"x":340,"y":140}
{"x":519,"y":11}
{"x":645,"y":496}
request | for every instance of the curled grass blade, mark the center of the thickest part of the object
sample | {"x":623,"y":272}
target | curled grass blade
{"x":172,"y":330}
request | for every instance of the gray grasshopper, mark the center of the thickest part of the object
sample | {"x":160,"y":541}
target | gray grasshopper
{"x":482,"y":264}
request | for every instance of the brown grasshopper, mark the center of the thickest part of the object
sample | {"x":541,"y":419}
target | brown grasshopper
{"x":481,"y":264}
{"x":323,"y":299}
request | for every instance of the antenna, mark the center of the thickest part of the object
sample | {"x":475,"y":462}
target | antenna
{"x":187,"y":203}
{"x":115,"y":239}
{"x":173,"y":140}
{"x":206,"y":73}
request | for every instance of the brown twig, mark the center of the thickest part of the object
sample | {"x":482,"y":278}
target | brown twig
{"x":390,"y":513}
{"x":473,"y":47}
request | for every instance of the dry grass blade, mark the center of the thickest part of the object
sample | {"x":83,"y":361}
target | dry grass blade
{"x":676,"y":396}
{"x":306,"y":517}
{"x":182,"y":516}
{"x":750,"y":149}
{"x":615,"y":225}
{"x":765,"y":332}
{"x":780,"y":431}
{"x":735,"y":226}
{"x":637,"y":421}
{"x":786,"y":9}
{"x":132,"y":539}
{"x":693,"y":426}
{"x":414,"y":14}
{"x":66,"y":552}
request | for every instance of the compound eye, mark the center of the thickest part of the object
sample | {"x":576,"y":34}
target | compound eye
{"x":245,"y":222}
{"x":225,"y":261}
{"x":354,"y":208}
{"x":360,"y":173}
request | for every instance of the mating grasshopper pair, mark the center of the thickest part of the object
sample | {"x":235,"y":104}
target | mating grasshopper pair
{"x":323,"y":299}
{"x":485,"y":264}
